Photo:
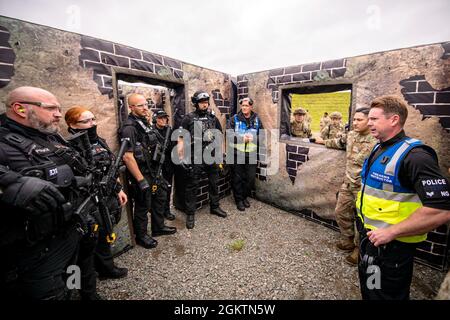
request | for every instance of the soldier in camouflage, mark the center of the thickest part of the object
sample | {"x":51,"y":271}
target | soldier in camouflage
{"x":335,"y":129}
{"x":358,"y":144}
{"x":300,"y":128}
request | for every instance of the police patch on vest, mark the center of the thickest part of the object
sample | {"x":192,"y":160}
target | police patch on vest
{"x":435,"y":188}
{"x":381,"y":177}
{"x":41,"y":151}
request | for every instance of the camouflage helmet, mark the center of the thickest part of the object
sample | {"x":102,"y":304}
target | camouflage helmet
{"x":300,"y":111}
{"x":336,"y":115}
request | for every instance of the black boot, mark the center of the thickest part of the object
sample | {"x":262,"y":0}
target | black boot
{"x":114,"y":273}
{"x":190,"y":221}
{"x":246,"y":203}
{"x":146,"y":241}
{"x":240,"y":206}
{"x":169,"y":216}
{"x":91,"y":296}
{"x":165,"y":230}
{"x":218,"y":212}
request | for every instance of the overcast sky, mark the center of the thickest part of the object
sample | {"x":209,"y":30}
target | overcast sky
{"x":241,"y":36}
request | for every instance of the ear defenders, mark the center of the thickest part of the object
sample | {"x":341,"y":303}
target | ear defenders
{"x":250,"y":101}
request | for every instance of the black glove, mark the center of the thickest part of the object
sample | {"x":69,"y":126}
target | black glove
{"x":313,"y":140}
{"x":34,"y":195}
{"x":143,"y":185}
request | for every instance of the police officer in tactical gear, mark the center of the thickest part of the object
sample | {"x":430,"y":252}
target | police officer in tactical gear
{"x":160,"y":127}
{"x":204,"y":119}
{"x":40,"y":185}
{"x":139,"y":160}
{"x":79,"y":119}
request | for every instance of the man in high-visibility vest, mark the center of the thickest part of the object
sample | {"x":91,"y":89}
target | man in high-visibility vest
{"x":403,"y":196}
{"x":246,"y":126}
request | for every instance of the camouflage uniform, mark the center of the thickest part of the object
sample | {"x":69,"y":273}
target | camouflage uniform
{"x":324,"y":121}
{"x":358,"y":148}
{"x":332,"y":131}
{"x":300,"y":129}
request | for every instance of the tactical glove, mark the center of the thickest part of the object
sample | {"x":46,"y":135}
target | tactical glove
{"x":34,"y":195}
{"x":143,"y":185}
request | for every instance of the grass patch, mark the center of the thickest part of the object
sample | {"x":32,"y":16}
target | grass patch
{"x":236,"y":245}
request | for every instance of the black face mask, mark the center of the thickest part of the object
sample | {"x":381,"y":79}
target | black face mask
{"x":202,"y":112}
{"x":92,"y":133}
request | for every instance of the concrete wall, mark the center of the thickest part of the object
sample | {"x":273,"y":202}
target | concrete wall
{"x":309,"y":176}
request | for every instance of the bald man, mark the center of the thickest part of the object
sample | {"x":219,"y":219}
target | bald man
{"x":141,"y":171}
{"x":38,"y":233}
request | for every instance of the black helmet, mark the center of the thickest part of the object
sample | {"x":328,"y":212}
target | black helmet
{"x":159,"y":114}
{"x":200,"y":96}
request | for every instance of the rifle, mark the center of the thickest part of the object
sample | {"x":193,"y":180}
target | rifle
{"x":100,"y":189}
{"x":106,"y":188}
{"x":160,"y":150}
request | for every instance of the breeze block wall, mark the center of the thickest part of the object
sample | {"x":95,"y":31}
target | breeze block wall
{"x":309,"y":175}
{"x":77,"y":70}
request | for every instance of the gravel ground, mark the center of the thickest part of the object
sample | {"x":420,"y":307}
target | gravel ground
{"x":283,"y":257}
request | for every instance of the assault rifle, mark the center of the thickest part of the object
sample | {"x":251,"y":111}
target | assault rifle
{"x":103,"y":188}
{"x":161,"y":151}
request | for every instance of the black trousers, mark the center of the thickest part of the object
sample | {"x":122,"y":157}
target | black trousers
{"x":39,"y":272}
{"x":193,"y":178}
{"x":395,"y":262}
{"x":243,"y":179}
{"x":103,"y":259}
{"x":143,"y":203}
{"x":85,"y":261}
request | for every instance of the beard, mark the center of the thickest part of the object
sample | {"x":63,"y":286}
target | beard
{"x":36,"y":123}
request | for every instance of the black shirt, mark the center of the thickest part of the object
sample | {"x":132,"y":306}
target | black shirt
{"x":420,"y":172}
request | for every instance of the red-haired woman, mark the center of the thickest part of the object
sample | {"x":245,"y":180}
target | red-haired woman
{"x":80,"y":119}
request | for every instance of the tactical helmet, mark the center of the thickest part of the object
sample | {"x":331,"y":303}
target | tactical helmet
{"x":161,"y":114}
{"x":300,"y":111}
{"x":200,"y":96}
{"x":158,"y":114}
{"x":336,"y":115}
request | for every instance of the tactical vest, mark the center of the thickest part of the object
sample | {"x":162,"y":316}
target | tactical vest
{"x":142,"y":151}
{"x":51,"y":161}
{"x":203,"y":123}
{"x":102,"y":155}
{"x":383,"y":201}
{"x":241,"y":128}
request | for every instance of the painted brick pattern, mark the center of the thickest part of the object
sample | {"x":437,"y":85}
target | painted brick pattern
{"x":7,"y":58}
{"x":223,"y":184}
{"x":100,"y":55}
{"x":297,"y":74}
{"x":295,"y":157}
{"x":242,"y":84}
{"x":434,"y":251}
{"x":429,"y":101}
{"x":224,"y":105}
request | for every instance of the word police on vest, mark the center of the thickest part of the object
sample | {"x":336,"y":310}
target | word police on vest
{"x":433,"y":182}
